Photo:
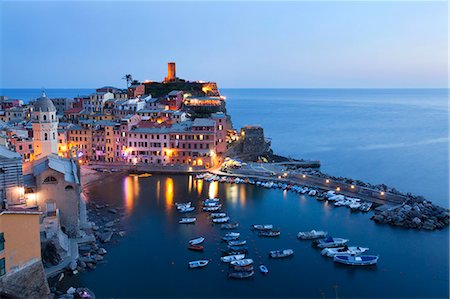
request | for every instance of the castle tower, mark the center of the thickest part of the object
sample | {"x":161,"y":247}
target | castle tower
{"x":45,"y":127}
{"x":171,"y":72}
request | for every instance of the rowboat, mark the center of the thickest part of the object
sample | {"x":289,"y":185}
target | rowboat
{"x":237,"y":274}
{"x":218,"y":215}
{"x":361,"y":260}
{"x":197,"y":241}
{"x":262,"y":226}
{"x":234,"y":252}
{"x":330,"y":242}
{"x":313,"y":234}
{"x":186,"y":209}
{"x":187,"y":220}
{"x":263,"y":269}
{"x":237,"y":248}
{"x":221,"y":220}
{"x":230,"y":238}
{"x":183,"y":205}
{"x":237,"y":243}
{"x":198,"y":264}
{"x":232,"y":234}
{"x":211,"y":204}
{"x":196,"y":247}
{"x":231,"y":258}
{"x":242,"y":263}
{"x":281,"y":253}
{"x":212,"y":200}
{"x":211,"y":209}
{"x":331,"y":252}
{"x":229,"y":225}
{"x":269,"y":233}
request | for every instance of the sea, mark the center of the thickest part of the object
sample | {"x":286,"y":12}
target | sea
{"x":399,"y":137}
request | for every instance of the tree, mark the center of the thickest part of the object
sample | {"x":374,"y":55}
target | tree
{"x":128,"y":78}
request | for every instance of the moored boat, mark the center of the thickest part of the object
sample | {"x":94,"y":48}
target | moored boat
{"x":183,"y":204}
{"x":198,"y":264}
{"x":197,"y":241}
{"x":196,"y":247}
{"x":221,"y":220}
{"x":242,"y":262}
{"x":230,"y":225}
{"x":355,"y":250}
{"x":360,"y":260}
{"x":231,"y":258}
{"x":239,"y":274}
{"x":212,"y":209}
{"x":313,"y":234}
{"x":187,"y":220}
{"x":218,"y":215}
{"x":269,"y":233}
{"x":230,"y":238}
{"x":281,"y":253}
{"x":186,"y":209}
{"x":237,"y":243}
{"x":262,"y":226}
{"x":232,"y":234}
{"x":263,"y":269}
{"x":330,"y":242}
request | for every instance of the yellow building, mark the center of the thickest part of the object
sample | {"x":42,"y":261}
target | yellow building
{"x":20,"y":243}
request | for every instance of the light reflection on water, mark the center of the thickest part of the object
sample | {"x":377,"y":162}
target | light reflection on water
{"x":213,"y":189}
{"x":169,"y":193}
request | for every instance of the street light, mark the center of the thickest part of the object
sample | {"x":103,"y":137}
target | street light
{"x":327,"y":181}
{"x":303,"y":176}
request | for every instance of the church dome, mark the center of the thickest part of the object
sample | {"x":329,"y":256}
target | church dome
{"x":44,"y":104}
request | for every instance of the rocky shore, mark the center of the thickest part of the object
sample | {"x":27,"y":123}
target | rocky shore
{"x":415,"y":214}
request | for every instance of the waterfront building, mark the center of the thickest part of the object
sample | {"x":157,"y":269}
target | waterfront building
{"x":80,"y":140}
{"x":11,"y":179}
{"x":45,"y":125}
{"x":21,"y":271}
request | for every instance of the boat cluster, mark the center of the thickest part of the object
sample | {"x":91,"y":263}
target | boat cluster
{"x":337,"y":249}
{"x":339,"y":200}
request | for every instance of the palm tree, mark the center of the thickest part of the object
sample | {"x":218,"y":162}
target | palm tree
{"x":128,"y":78}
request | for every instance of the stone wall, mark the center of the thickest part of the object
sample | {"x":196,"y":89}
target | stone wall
{"x":253,"y":141}
{"x":30,"y":282}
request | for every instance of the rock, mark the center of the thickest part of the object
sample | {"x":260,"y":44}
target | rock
{"x":72,"y":265}
{"x":105,"y":237}
{"x":416,"y":220}
{"x":95,"y":228}
{"x":81,"y":264}
{"x":90,"y":266}
{"x":378,"y":218}
{"x":71,"y":290}
{"x":113,"y":211}
{"x":102,"y":251}
{"x":122,"y":233}
{"x":98,"y":257}
{"x":109,"y":224}
{"x":428,"y":225}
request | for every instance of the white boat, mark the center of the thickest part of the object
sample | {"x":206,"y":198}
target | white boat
{"x":183,"y":205}
{"x":221,"y":220}
{"x":232,"y":258}
{"x":198,"y":264}
{"x":330,"y":242}
{"x":237,"y":243}
{"x":355,"y":206}
{"x":361,"y":260}
{"x":232,"y":234}
{"x":212,"y":200}
{"x":281,"y":253}
{"x":262,"y":226}
{"x":211,"y":209}
{"x":312,"y":193}
{"x":313,"y":234}
{"x":186,"y":209}
{"x":187,"y":220}
{"x":210,"y":204}
{"x":218,"y":215}
{"x":197,"y":241}
{"x":242,"y":263}
{"x":355,"y":250}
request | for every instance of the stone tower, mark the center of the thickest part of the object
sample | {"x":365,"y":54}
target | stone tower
{"x":45,"y":127}
{"x":171,"y":72}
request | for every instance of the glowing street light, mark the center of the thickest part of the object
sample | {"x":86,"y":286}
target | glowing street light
{"x":382,"y":193}
{"x":327,"y":181}
{"x":304,"y":176}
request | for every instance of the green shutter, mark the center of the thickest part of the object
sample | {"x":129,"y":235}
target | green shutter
{"x":2,"y":267}
{"x":2,"y":241}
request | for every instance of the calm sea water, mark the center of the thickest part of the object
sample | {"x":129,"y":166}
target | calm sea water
{"x":151,"y":260}
{"x":397,"y":137}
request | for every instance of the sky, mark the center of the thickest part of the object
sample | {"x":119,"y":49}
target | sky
{"x":237,"y":44}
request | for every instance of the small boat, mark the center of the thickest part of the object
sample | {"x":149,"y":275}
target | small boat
{"x":196,"y":247}
{"x":281,"y":253}
{"x":198,"y":264}
{"x":221,"y":220}
{"x":232,"y":234}
{"x":83,"y":293}
{"x":187,"y":220}
{"x":237,"y":248}
{"x":355,"y":206}
{"x":242,"y":269}
{"x":230,"y":225}
{"x":314,"y":234}
{"x":361,"y":260}
{"x":186,"y":209}
{"x":212,"y":200}
{"x":212,"y":209}
{"x":230,"y":238}
{"x":197,"y":241}
{"x":330,"y":242}
{"x":263,"y":269}
{"x":231,"y":258}
{"x":218,"y":215}
{"x":234,"y":252}
{"x":211,"y":204}
{"x":312,"y":193}
{"x":269,"y":233}
{"x":343,"y":250}
{"x":238,"y":274}
{"x":237,"y":243}
{"x":262,"y":226}
{"x":242,"y":263}
{"x":180,"y":205}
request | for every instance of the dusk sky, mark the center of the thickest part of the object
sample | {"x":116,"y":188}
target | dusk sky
{"x":237,"y":44}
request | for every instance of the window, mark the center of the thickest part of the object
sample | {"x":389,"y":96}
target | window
{"x":2,"y":241}
{"x":45,"y":117}
{"x":2,"y":267}
{"x":50,"y":180}
{"x":45,"y":136}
